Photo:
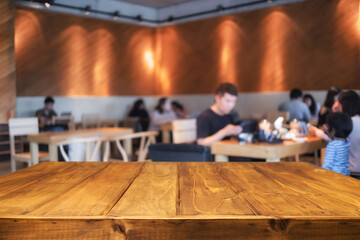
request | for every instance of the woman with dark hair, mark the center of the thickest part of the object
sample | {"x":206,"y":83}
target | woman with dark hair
{"x":348,"y":103}
{"x":139,"y":110}
{"x":161,"y":115}
{"x":178,"y":109}
{"x":314,"y":106}
{"x":331,"y":97}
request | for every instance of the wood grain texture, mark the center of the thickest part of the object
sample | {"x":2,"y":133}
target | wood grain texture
{"x":106,"y":188}
{"x":7,"y":61}
{"x":153,"y":193}
{"x":311,"y":44}
{"x":179,"y":201}
{"x":204,"y":192}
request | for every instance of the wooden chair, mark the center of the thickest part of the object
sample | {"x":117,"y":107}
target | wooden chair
{"x":184,"y":130}
{"x":91,"y":121}
{"x":146,"y":138}
{"x":273,"y":115}
{"x":92,"y":147}
{"x":23,"y":127}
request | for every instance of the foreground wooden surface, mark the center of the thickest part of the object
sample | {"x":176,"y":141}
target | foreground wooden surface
{"x":178,"y":201}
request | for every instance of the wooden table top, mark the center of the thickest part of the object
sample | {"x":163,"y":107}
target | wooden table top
{"x":178,"y":201}
{"x":266,"y":150}
{"x":54,"y":137}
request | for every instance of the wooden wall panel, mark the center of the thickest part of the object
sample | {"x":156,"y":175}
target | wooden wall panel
{"x":312,"y":45}
{"x":7,"y":61}
{"x":65,"y":55}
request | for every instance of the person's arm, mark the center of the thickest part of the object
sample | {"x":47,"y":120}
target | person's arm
{"x":318,"y":132}
{"x":229,"y":130}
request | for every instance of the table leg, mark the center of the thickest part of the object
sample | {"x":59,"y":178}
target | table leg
{"x":165,"y":136}
{"x":34,"y":152}
{"x":297,"y":158}
{"x":221,"y":158}
{"x":53,"y":153}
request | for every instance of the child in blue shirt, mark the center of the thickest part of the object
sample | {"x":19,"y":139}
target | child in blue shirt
{"x":339,"y":127}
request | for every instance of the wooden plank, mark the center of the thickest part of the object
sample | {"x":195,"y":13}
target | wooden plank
{"x":24,"y":200}
{"x":96,"y":195}
{"x":203,"y":191}
{"x":153,"y":193}
{"x":25,"y":177}
{"x":155,"y":229}
{"x":327,"y":198}
{"x":270,"y":190}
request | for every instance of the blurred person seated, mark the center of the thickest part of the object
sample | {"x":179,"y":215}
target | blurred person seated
{"x":314,"y":106}
{"x":331,"y":97}
{"x":339,"y":127}
{"x":297,"y":109}
{"x":178,"y":109}
{"x":46,"y":114}
{"x":139,"y":110}
{"x":162,"y":114}
{"x":216,"y":123}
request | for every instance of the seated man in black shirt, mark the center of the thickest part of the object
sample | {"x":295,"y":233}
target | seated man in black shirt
{"x":216,"y":123}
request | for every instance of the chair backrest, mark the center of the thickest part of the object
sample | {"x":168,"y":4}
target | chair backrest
{"x":92,"y":147}
{"x":21,"y":127}
{"x":146,"y":138}
{"x":167,"y":152}
{"x":273,"y":115}
{"x":184,"y":130}
{"x":91,"y":121}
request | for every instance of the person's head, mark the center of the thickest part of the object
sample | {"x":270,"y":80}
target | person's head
{"x":49,"y":103}
{"x":348,"y":102}
{"x":295,"y":93}
{"x":163,"y":105}
{"x":176,"y":106}
{"x":225,"y":97}
{"x":339,"y":125}
{"x":331,"y":97}
{"x":139,"y":104}
{"x":310,"y":102}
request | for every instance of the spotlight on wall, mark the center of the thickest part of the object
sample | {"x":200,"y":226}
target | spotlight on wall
{"x":116,"y":15}
{"x":269,"y":1}
{"x":87,"y":10}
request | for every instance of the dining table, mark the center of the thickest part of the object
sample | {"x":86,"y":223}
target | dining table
{"x":52,"y":139}
{"x":178,"y":200}
{"x":272,"y":152}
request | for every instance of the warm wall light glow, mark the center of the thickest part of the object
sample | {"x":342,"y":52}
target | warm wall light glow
{"x":149,"y":59}
{"x":348,"y":26}
{"x":272,"y":76}
{"x":27,"y":29}
{"x":75,"y":50}
{"x":228,"y":32}
{"x":103,"y":70}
